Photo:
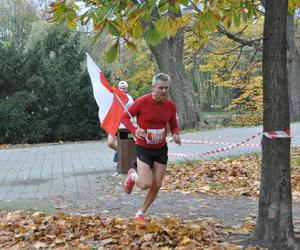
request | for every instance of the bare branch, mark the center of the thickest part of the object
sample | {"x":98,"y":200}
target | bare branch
{"x":251,"y":43}
{"x":235,"y":63}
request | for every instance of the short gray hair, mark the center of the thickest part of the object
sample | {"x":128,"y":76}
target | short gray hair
{"x":160,"y":76}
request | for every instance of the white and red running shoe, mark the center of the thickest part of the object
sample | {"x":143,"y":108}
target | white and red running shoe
{"x":140,"y":217}
{"x":129,"y":183}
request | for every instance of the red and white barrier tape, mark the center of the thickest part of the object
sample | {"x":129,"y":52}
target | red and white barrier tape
{"x":188,"y":141}
{"x":278,"y":134}
{"x":272,"y":134}
{"x":216,"y":150}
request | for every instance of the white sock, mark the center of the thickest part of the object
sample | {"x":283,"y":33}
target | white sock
{"x":139,"y":212}
{"x":134,"y":176}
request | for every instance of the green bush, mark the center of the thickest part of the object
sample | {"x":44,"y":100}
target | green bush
{"x":51,"y":99}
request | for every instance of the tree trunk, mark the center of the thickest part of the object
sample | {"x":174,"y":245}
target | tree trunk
{"x":293,"y":64}
{"x":274,"y":227}
{"x":169,"y":57}
{"x":293,"y":67}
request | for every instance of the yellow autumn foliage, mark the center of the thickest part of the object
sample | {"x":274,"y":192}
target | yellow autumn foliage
{"x":137,"y":69}
{"x":238,"y":69}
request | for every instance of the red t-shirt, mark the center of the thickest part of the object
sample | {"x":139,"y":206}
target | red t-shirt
{"x":153,"y":117}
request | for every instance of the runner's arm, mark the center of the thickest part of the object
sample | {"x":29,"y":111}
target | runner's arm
{"x":174,"y":123}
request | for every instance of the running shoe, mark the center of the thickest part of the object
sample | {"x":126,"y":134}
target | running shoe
{"x":139,"y":217}
{"x":115,"y":157}
{"x":129,"y":183}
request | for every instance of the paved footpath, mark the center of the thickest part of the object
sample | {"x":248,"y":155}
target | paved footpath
{"x":38,"y":172}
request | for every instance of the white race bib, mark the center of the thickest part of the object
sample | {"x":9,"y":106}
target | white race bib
{"x":155,"y":136}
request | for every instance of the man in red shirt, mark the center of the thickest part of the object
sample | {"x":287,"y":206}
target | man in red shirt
{"x":153,"y":113}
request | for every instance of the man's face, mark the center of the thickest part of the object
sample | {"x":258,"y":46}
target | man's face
{"x":123,"y":88}
{"x":160,"y":91}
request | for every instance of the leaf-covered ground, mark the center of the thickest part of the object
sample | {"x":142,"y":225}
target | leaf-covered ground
{"x":226,"y":176}
{"x":33,"y":230}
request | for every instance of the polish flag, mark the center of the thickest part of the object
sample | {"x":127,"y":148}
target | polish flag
{"x":110,"y":108}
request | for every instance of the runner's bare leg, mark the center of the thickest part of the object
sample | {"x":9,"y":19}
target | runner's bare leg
{"x":159,"y":171}
{"x":145,"y":175}
{"x":112,"y":142}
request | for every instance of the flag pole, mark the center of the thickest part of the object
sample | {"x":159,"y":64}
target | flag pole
{"x":131,"y":117}
{"x":120,"y":101}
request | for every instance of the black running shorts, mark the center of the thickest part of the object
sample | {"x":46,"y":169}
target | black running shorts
{"x":149,"y":156}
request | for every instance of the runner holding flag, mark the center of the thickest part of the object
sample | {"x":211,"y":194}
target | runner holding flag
{"x":112,"y":141}
{"x":110,"y":100}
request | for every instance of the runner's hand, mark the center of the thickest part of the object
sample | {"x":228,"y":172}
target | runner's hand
{"x":140,"y":133}
{"x":176,"y":138}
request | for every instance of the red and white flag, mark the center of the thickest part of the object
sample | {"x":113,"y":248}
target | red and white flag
{"x":110,"y":108}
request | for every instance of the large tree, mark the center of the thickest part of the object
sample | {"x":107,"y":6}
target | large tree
{"x":159,"y":23}
{"x":274,"y":227}
{"x":293,"y":63}
{"x":168,"y":53}
{"x":169,"y":57}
